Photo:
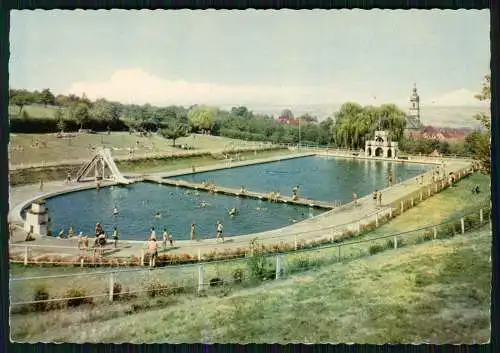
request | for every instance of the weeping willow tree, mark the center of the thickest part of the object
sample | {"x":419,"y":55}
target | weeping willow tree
{"x":355,"y":124}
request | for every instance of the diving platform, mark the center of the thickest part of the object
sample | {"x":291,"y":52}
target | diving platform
{"x":103,"y":167}
{"x":246,"y":194}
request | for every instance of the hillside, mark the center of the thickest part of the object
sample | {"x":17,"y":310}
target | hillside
{"x":435,"y":292}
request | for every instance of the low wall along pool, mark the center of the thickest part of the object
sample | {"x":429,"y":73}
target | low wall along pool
{"x":320,"y":178}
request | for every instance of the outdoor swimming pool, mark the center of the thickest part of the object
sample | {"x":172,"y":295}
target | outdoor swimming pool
{"x":319,"y":177}
{"x":138,"y":204}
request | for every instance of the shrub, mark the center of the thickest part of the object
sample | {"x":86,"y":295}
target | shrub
{"x":216,"y":282}
{"x":238,"y":275}
{"x":117,"y":290}
{"x":428,"y":236}
{"x":303,"y":263}
{"x":470,"y":222}
{"x":375,"y":249}
{"x":156,"y":288}
{"x":75,"y":297}
{"x":41,"y":293}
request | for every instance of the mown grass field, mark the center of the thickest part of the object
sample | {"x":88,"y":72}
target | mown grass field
{"x":25,"y":150}
{"x":34,"y":110}
{"x":435,"y":292}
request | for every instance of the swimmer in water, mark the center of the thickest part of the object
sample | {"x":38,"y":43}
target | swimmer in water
{"x":232,"y":212}
{"x":203,"y":204}
{"x":158,"y":215}
{"x":115,"y":211}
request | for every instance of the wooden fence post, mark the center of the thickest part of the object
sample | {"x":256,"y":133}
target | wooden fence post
{"x":390,"y":212}
{"x":81,"y":262}
{"x":376,"y":220}
{"x":358,"y":227}
{"x":480,"y":216}
{"x":412,"y":202}
{"x":278,"y":266}
{"x":421,"y":196}
{"x":339,"y":251}
{"x":395,"y":242}
{"x":111,"y":286}
{"x":295,"y":243}
{"x":402,"y":206}
{"x":462,"y":225}
{"x":429,"y":192}
{"x":434,"y":229}
{"x":199,"y":254}
{"x":142,"y":257}
{"x":200,"y":277}
{"x":26,"y":256}
{"x":436,"y":187}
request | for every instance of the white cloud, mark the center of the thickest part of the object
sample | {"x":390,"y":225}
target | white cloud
{"x":460,"y":97}
{"x":139,"y":86}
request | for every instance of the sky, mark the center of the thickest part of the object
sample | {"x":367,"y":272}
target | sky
{"x":254,"y":58}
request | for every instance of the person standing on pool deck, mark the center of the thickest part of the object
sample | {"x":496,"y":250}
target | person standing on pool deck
{"x":165,"y":238}
{"x":193,"y":231}
{"x":115,"y":236}
{"x":153,"y":252}
{"x":219,"y":228}
{"x":153,"y":234}
{"x":379,"y":198}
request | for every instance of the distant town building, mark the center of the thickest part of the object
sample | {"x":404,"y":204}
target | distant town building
{"x":414,"y":126}
{"x":287,"y":121}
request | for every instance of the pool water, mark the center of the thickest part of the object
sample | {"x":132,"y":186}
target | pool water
{"x":319,"y":177}
{"x":178,"y":207}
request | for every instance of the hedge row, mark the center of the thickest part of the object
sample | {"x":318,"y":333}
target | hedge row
{"x":49,"y":125}
{"x":242,"y":135}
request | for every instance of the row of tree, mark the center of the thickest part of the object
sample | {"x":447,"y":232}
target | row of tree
{"x":349,"y":127}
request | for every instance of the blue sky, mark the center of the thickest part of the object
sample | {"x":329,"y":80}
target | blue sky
{"x":253,"y":57}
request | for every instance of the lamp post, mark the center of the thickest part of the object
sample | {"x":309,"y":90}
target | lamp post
{"x":300,"y":142}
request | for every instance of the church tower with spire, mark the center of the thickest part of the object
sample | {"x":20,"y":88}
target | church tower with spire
{"x":413,"y":122}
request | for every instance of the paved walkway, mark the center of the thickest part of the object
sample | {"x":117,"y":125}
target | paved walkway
{"x":320,"y":226}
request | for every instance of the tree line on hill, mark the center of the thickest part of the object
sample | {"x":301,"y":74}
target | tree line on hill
{"x":349,"y":127}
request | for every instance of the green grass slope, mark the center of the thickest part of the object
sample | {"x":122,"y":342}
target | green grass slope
{"x":435,"y":292}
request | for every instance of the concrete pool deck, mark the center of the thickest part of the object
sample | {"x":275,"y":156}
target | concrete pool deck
{"x":319,"y":226}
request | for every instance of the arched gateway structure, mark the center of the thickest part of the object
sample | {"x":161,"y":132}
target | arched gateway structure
{"x":381,"y":146}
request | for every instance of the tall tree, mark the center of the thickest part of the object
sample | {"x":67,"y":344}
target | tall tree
{"x":202,"y":117}
{"x":105,"y":111}
{"x":47,"y":97}
{"x":174,"y":131}
{"x":20,"y":98}
{"x":480,"y":142}
{"x":80,"y":113}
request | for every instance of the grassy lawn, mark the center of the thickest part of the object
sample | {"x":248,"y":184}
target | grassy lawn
{"x":53,"y":149}
{"x":435,"y":292}
{"x":35,"y":111}
{"x":449,"y":203}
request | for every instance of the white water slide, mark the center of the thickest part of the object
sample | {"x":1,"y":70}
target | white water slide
{"x":100,"y":160}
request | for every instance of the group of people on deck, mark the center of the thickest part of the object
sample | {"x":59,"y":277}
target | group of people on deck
{"x":153,"y":246}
